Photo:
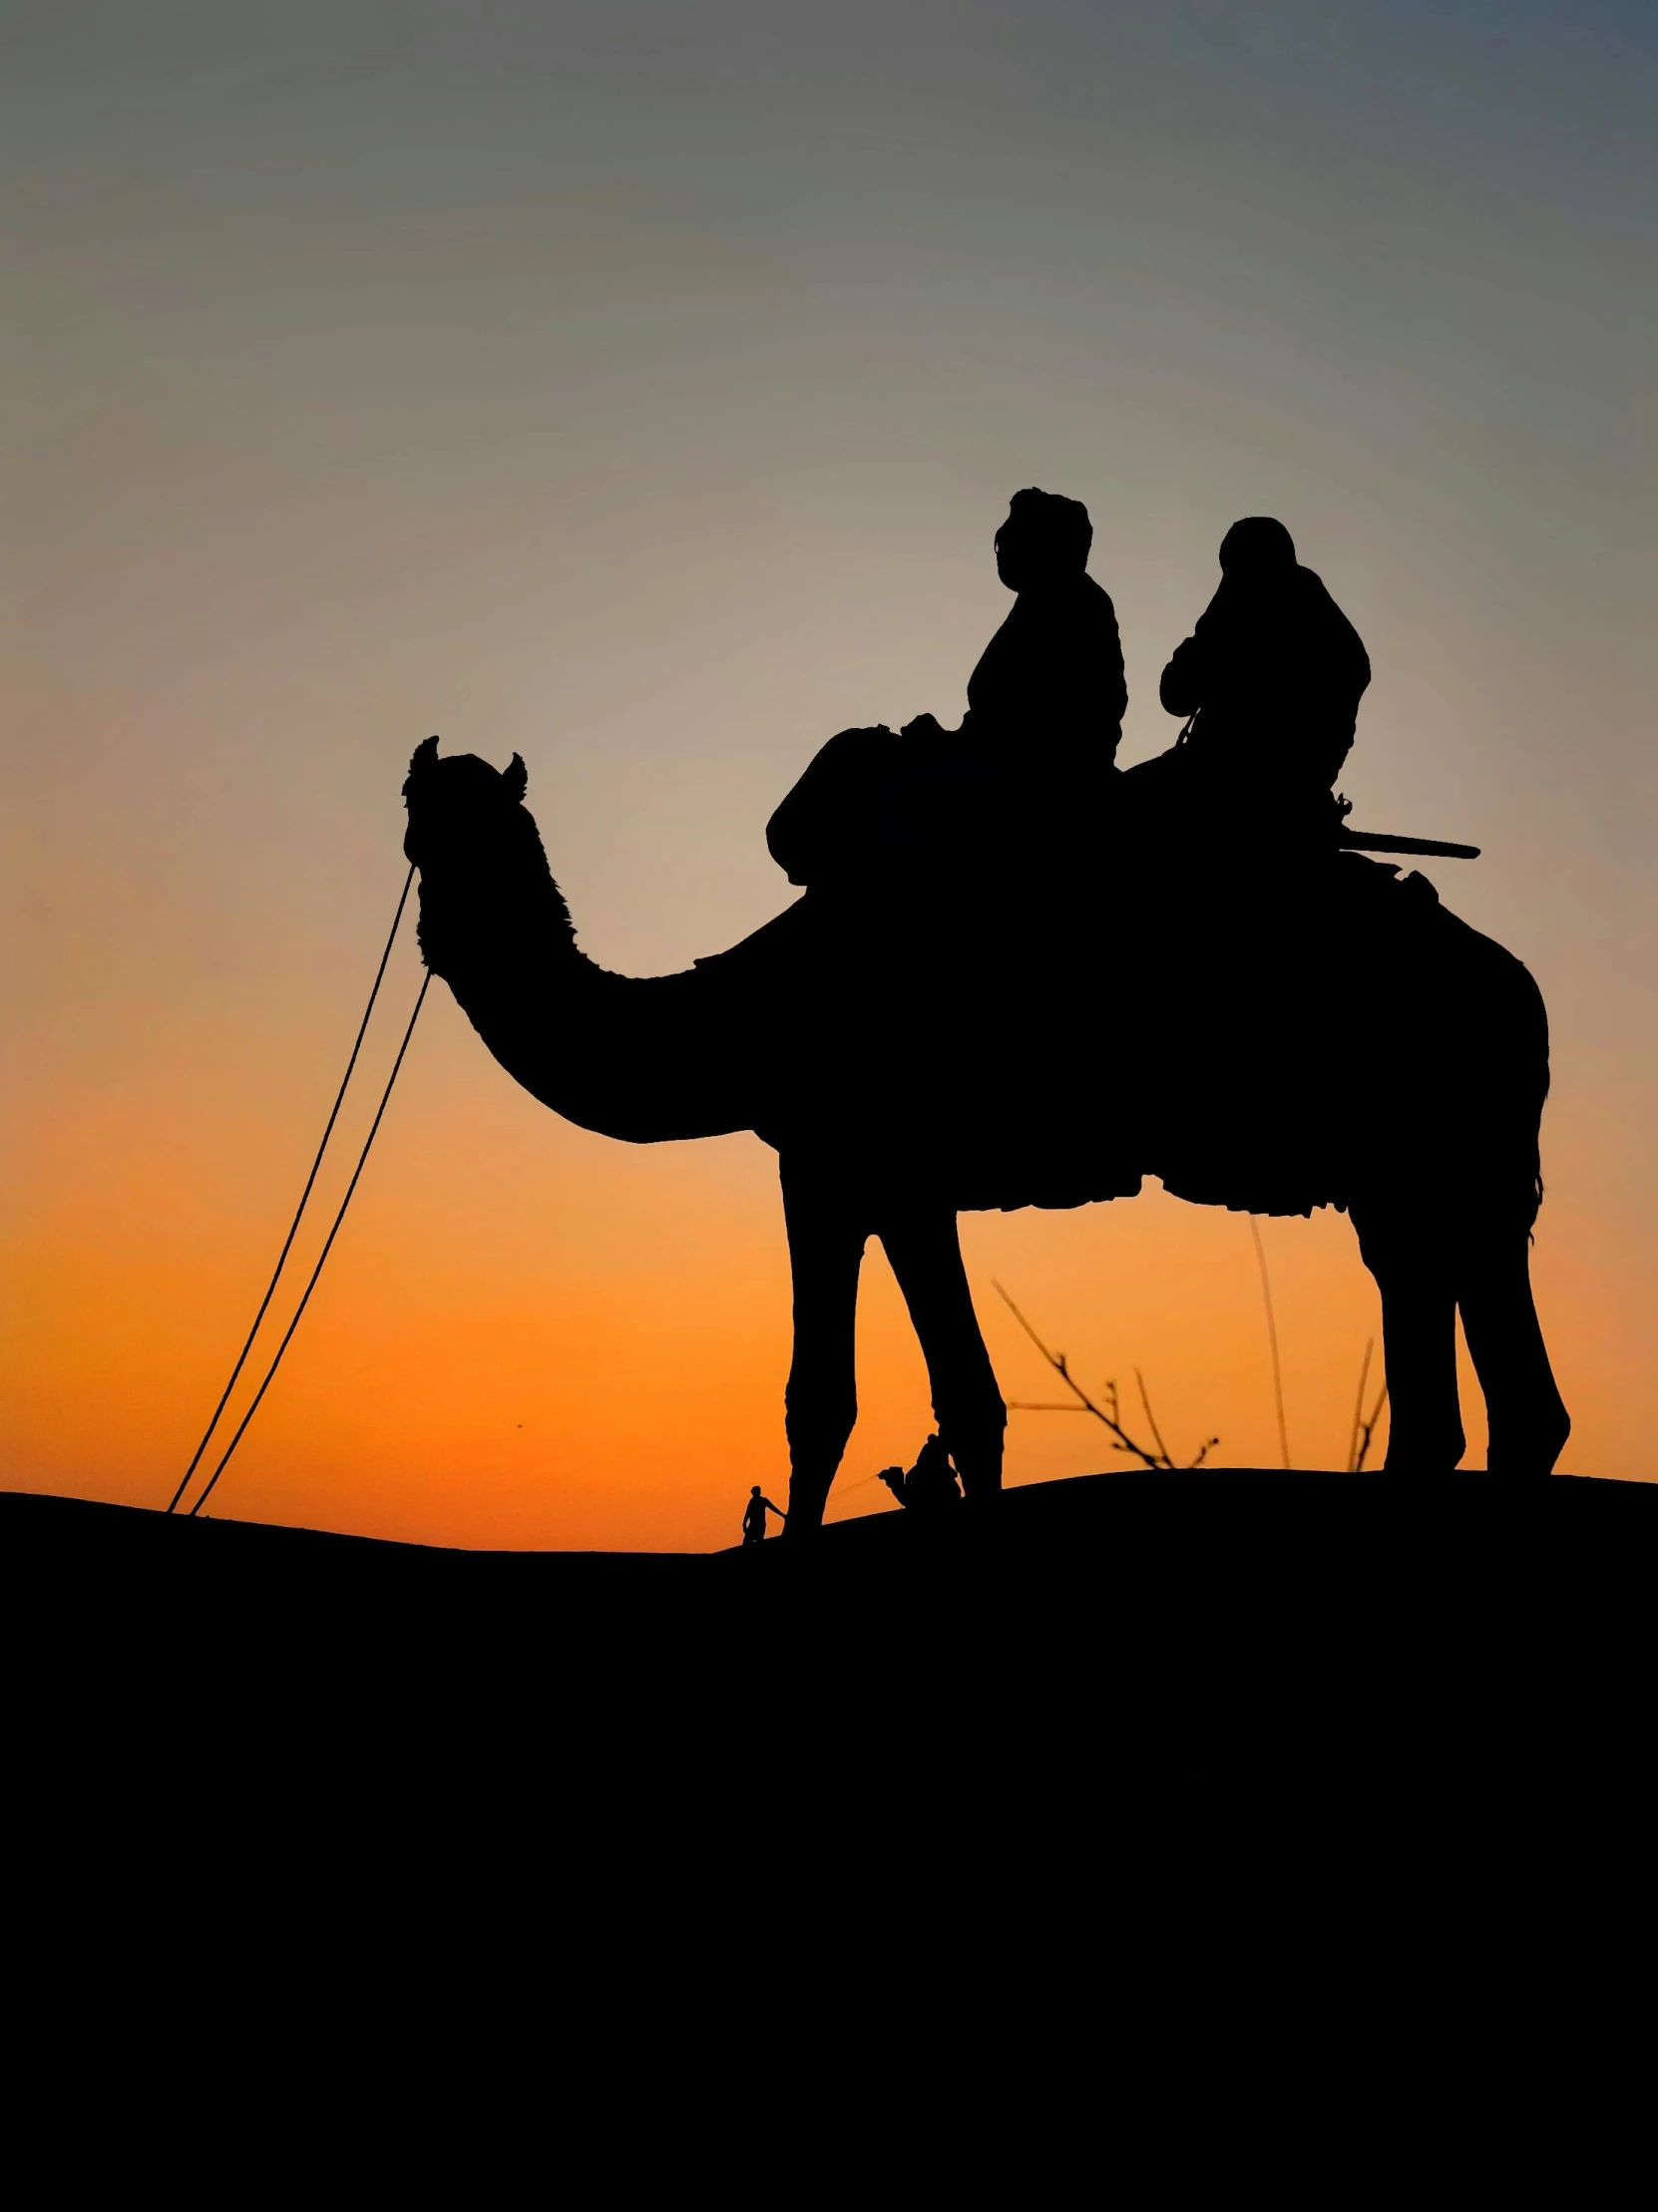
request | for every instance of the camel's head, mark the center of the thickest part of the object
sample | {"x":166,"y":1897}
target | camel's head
{"x":462,"y":806}
{"x":477,"y":850}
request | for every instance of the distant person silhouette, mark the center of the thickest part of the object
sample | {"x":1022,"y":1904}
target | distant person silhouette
{"x":754,"y":1517}
{"x":1270,"y":681}
{"x":1044,"y":705}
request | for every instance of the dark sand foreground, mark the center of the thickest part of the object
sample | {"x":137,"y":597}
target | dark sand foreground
{"x":1121,"y":1599}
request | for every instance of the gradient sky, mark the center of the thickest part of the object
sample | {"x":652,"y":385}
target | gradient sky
{"x":637,"y":386}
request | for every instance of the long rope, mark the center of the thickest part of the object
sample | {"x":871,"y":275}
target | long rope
{"x":1271,"y":1339}
{"x":304,"y":1200}
{"x":362,"y":1157}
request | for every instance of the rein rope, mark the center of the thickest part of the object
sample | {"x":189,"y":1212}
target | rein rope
{"x":293,"y":1227}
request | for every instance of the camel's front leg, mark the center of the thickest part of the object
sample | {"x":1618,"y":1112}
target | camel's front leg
{"x":827,"y":1236}
{"x":926,"y":1255}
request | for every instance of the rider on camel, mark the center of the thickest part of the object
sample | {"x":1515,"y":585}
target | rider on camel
{"x":1270,"y":683}
{"x":1053,"y":671}
{"x":1044,"y":708}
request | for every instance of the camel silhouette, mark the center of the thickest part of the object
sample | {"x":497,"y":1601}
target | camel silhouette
{"x":1429,"y":1141}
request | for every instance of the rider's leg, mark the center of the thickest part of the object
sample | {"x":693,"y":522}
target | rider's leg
{"x":925,"y":1257}
{"x":1419,"y":1336}
{"x":826,"y":1249}
{"x":1526,"y":1417}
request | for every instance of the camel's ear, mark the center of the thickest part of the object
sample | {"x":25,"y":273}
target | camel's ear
{"x":515,"y":777}
{"x":425,"y":756}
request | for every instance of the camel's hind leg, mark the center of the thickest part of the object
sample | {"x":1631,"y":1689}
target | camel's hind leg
{"x":926,"y":1255}
{"x":827,"y":1235}
{"x":1419,"y":1335}
{"x":1526,"y":1416}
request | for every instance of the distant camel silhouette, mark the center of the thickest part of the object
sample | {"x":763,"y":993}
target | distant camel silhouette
{"x":794,"y":1032}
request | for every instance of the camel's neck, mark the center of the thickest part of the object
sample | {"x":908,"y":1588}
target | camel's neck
{"x":629,"y":1057}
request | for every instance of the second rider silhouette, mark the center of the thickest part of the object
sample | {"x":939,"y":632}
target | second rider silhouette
{"x":1270,"y":682}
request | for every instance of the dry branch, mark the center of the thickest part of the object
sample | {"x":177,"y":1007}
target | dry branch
{"x":1121,"y":1441}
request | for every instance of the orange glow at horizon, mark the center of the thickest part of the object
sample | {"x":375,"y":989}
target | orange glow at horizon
{"x":532,"y":1336}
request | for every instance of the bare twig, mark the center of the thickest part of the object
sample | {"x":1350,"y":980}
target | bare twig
{"x":1358,"y":1410}
{"x":1110,"y":1414}
{"x":1272,"y":1341}
{"x":1368,"y":1430}
{"x":1151,"y":1419}
{"x":1122,"y":1441}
